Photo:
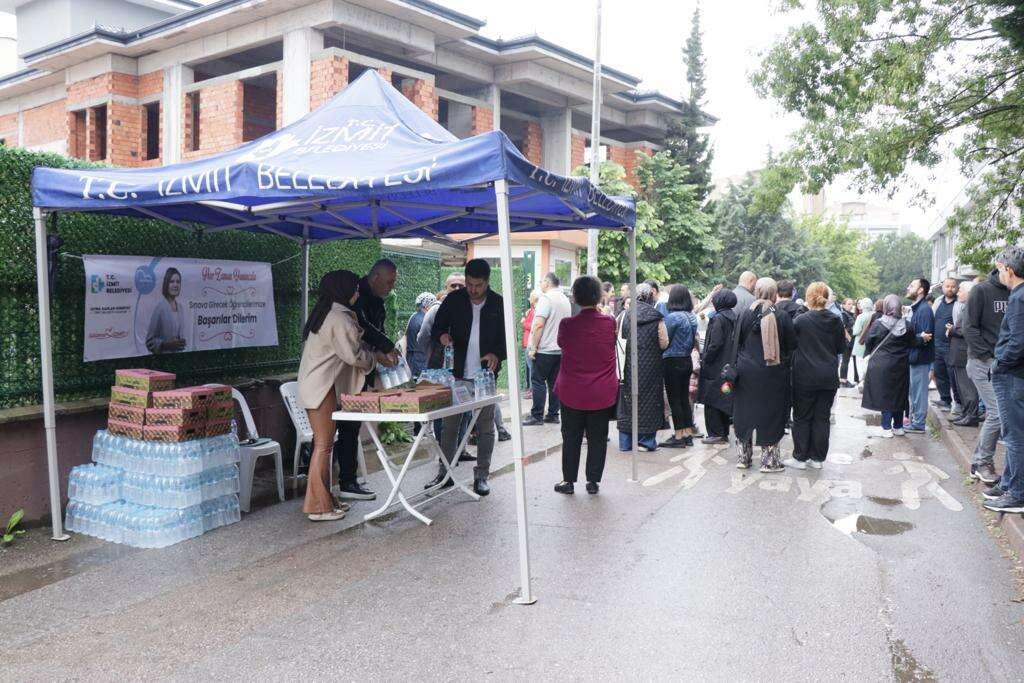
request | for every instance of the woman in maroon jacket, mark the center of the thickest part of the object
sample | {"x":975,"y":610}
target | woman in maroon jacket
{"x":587,"y":384}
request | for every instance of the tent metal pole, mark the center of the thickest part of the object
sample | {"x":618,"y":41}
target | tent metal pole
{"x":305,"y":276}
{"x":46,"y":370}
{"x":634,"y":380}
{"x":526,"y":597}
{"x":595,"y":139}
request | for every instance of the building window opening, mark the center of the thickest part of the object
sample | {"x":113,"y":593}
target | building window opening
{"x":152,"y":139}
{"x":98,"y":148}
{"x":193,"y":119}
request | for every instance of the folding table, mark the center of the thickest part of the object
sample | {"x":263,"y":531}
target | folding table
{"x":396,"y":470}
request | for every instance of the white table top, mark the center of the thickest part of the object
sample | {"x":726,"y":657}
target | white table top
{"x":418,"y":417}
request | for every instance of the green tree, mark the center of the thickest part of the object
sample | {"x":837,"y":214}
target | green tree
{"x":689,"y":148}
{"x":886,"y":86}
{"x":900,"y":259}
{"x":849,"y":268}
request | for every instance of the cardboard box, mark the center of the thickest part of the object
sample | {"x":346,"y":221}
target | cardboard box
{"x":365,"y":402}
{"x":147,"y":380}
{"x":219,"y":392}
{"x":126,"y":413}
{"x":218,"y":427}
{"x":416,"y":401}
{"x":184,"y":397}
{"x":133,"y":397}
{"x":220,"y":410}
{"x":174,"y":433}
{"x":175,"y":416}
{"x":128,"y":429}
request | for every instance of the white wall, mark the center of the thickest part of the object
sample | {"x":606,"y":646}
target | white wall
{"x":8,"y":44}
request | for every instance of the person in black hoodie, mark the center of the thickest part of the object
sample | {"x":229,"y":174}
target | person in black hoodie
{"x":371,"y":314}
{"x":717,"y":344}
{"x":820,"y":338}
{"x":785,"y":301}
{"x":986,"y":306}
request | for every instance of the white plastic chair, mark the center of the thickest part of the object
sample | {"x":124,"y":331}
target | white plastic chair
{"x":304,"y":431}
{"x":250,"y":451}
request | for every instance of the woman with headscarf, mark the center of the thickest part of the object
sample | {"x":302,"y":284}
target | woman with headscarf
{"x":887,"y":379}
{"x":651,"y":340}
{"x":762,"y":398}
{"x":335,"y":361}
{"x":717,"y":342}
{"x":968,"y":416}
{"x":860,"y":330}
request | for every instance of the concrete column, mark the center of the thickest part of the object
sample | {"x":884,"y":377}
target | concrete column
{"x":495,"y":99}
{"x":557,"y":141}
{"x":176,"y":79}
{"x":299,"y":45}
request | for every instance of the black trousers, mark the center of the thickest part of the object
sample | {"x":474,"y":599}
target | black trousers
{"x":844,"y":368}
{"x":968,"y":392}
{"x":945,"y":381}
{"x":811,"y":412}
{"x":542,"y":383}
{"x":677,"y":373}
{"x":716,"y":422}
{"x":574,"y":424}
{"x":346,"y":451}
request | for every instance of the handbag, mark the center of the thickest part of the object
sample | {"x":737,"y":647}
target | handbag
{"x":730,"y":371}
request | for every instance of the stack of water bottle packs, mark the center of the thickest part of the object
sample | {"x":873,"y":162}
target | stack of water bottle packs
{"x":151,"y":489}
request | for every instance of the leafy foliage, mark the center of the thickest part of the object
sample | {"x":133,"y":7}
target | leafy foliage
{"x":900,"y":259}
{"x":394,"y":432}
{"x":12,"y":530}
{"x":886,"y":86}
{"x":849,"y":268}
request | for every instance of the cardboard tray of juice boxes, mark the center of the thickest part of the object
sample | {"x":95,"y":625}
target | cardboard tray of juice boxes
{"x":144,"y":404}
{"x":421,"y":398}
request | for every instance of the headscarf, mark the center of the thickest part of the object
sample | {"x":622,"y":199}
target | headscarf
{"x":766,"y":292}
{"x":865,"y":305}
{"x":336,"y":287}
{"x":892,"y":315}
{"x":425,"y":300}
{"x":645,"y":293}
{"x":724,"y":299}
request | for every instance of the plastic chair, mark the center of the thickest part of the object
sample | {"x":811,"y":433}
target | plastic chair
{"x":252,"y":449}
{"x":304,"y":431}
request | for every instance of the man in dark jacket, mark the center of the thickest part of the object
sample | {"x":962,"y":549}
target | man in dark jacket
{"x":472,"y":321}
{"x":371,"y":313}
{"x":921,"y":354}
{"x":985,"y":309}
{"x":1008,"y":381}
{"x":785,"y":301}
{"x":948,"y":392}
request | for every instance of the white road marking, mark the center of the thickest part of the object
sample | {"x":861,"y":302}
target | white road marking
{"x":667,"y":474}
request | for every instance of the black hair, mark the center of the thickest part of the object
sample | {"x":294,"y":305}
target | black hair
{"x":168,"y":274}
{"x":653,"y":284}
{"x":1013,"y":258}
{"x":336,"y":287}
{"x":478,"y":269}
{"x":924,"y":284}
{"x":586,"y":290}
{"x":786,"y":289}
{"x":679,"y":298}
{"x":607,"y":287}
{"x":553,"y":279}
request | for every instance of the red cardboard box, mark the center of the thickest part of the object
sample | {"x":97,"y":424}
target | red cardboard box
{"x":175,"y":416}
{"x":218,"y":427}
{"x":147,"y":380}
{"x":416,"y":401}
{"x":133,"y":397}
{"x":126,"y":413}
{"x":219,"y":392}
{"x":185,"y":397}
{"x":129,"y":429}
{"x":365,"y":402}
{"x":173,"y":433}
{"x":220,"y":410}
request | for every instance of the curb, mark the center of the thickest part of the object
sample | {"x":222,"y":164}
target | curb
{"x":1011,"y":524}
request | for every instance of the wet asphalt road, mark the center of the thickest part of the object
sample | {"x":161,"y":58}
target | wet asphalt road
{"x":879,"y":567}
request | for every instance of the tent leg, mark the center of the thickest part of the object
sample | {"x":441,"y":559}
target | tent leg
{"x":634,"y":390}
{"x":526,"y":597}
{"x":305,"y":280}
{"x":46,"y":370}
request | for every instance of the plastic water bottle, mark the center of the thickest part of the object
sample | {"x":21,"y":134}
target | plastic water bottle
{"x":449,"y":357}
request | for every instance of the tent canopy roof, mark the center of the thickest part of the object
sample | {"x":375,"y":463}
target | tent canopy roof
{"x":368,"y":163}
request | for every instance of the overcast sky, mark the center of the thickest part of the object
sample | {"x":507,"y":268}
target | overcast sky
{"x":645,"y":38}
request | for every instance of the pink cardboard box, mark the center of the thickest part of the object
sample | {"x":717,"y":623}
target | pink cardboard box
{"x":127,"y":413}
{"x":174,"y":433}
{"x":147,"y":380}
{"x":133,"y":397}
{"x":220,"y":392}
{"x":175,"y":416}
{"x":185,"y":397}
{"x":218,"y":427}
{"x":129,"y":429}
{"x":220,"y":410}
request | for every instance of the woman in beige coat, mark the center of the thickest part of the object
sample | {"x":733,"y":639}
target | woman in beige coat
{"x":335,"y":361}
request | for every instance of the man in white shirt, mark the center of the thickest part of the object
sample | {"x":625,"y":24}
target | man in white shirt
{"x":552,"y":307}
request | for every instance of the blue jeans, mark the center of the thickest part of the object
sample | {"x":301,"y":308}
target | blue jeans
{"x":919,"y":395}
{"x":892,"y":419}
{"x":1010,"y":396}
{"x":646,"y":440}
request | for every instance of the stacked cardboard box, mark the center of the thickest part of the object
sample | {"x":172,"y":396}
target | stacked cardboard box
{"x":144,"y":404}
{"x":422,"y":398}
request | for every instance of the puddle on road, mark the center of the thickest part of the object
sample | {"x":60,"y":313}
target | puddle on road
{"x":888,"y":502}
{"x":866,"y":453}
{"x":905,"y":667}
{"x":846,"y":516}
{"x":33,"y":578}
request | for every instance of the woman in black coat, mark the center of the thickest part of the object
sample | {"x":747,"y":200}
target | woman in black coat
{"x":762,"y":399}
{"x":718,"y":342}
{"x":887,"y":380}
{"x":651,"y":339}
{"x":820,"y":338}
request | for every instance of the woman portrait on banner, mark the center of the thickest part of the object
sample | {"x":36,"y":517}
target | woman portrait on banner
{"x":166,"y":331}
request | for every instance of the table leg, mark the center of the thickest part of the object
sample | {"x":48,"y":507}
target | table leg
{"x":396,"y":482}
{"x":458,"y":450}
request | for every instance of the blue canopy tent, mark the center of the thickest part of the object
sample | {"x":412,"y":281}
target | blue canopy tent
{"x":368,"y":164}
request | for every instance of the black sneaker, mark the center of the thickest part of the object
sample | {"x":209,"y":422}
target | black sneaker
{"x":915,"y":430}
{"x":566,"y":487}
{"x":503,"y":434}
{"x":472,"y":440}
{"x":941,"y":404}
{"x":715,"y":440}
{"x":985,"y":473}
{"x":480,"y":487}
{"x":551,"y":419}
{"x":438,"y":479}
{"x":1005,"y":503}
{"x":532,"y":422}
{"x":355,"y":491}
{"x":466,"y":457}
{"x":993,"y":492}
{"x":674,"y":442}
{"x":592,"y":487}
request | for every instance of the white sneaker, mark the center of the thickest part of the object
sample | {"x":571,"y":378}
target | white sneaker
{"x":899,"y":431}
{"x":327,"y":516}
{"x":887,"y":433}
{"x":814,"y":464}
{"x":795,"y":464}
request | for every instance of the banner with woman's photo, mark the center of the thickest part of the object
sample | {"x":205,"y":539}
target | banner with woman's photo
{"x":143,"y":305}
